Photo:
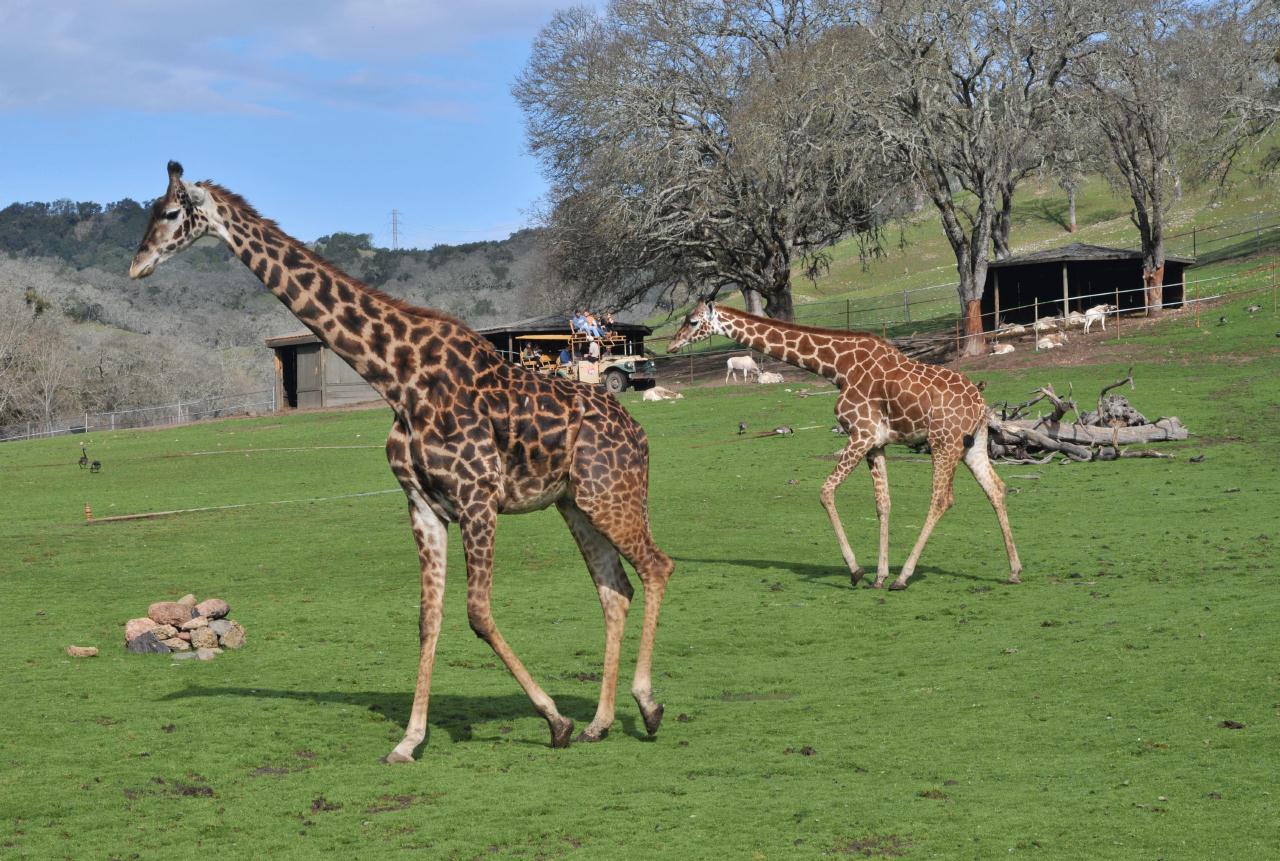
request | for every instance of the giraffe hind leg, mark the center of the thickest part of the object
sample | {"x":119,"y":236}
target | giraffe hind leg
{"x":980,"y":465}
{"x":615,"y":599}
{"x":880,"y":482}
{"x":621,"y":515}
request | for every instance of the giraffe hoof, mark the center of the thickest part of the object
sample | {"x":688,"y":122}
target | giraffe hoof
{"x":652,"y":718}
{"x":855,"y":575}
{"x":897,"y":587}
{"x":589,"y":735}
{"x":561,"y":729}
{"x":878,"y":584}
{"x":1014,"y":579}
{"x":396,"y":756}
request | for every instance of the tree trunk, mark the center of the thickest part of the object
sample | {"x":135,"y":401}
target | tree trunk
{"x":1153,"y":280}
{"x":1071,"y":210}
{"x":1001,"y":223}
{"x":779,"y":306}
{"x":975,"y":343}
{"x":778,"y":303}
{"x":751,"y":300}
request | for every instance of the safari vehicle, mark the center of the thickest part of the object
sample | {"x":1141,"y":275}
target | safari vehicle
{"x":617,"y":369}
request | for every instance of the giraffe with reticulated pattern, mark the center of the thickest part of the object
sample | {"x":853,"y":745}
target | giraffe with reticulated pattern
{"x":884,"y":397}
{"x":474,"y":436}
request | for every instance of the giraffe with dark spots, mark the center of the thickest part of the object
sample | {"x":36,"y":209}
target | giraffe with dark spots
{"x":452,"y":447}
{"x":885,"y":397}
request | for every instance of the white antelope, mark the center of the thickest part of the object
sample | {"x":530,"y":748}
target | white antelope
{"x":1097,"y":314}
{"x":746,"y":364}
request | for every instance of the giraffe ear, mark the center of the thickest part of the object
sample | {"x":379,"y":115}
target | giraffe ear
{"x":195,"y":193}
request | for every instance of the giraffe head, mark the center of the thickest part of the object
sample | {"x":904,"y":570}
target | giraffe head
{"x":177,"y":220}
{"x":703,"y":322}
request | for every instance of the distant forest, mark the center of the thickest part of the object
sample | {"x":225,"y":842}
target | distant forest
{"x":196,"y":327}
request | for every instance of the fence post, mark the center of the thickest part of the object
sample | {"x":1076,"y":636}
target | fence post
{"x":1193,"y":242}
{"x":848,"y":315}
{"x":906,"y":306}
{"x":1035,"y":323}
{"x":1117,"y":289}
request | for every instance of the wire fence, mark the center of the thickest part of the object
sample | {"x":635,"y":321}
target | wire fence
{"x":906,"y":316}
{"x":179,"y":412}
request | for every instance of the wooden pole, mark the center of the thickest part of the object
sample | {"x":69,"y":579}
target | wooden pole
{"x":1035,"y":324}
{"x":1066,"y":295}
{"x":996,"y":275}
{"x":1117,"y":289}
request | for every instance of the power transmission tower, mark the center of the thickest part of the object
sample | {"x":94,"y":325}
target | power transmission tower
{"x":395,"y":229}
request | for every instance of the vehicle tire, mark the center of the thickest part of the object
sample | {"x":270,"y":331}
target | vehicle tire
{"x":615,"y":381}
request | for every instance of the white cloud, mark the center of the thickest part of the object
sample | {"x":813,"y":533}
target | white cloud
{"x":243,"y":56}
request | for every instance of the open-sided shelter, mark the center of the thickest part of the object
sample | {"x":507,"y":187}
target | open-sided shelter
{"x":1072,"y":278}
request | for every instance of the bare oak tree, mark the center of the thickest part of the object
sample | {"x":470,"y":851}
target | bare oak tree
{"x":968,"y":88}
{"x":702,"y":144}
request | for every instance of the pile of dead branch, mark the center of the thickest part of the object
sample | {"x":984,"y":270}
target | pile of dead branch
{"x":931,"y":348}
{"x":1101,"y":434}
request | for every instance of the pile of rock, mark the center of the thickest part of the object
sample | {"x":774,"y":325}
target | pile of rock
{"x":188,"y":628}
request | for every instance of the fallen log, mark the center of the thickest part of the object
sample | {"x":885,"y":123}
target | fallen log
{"x":1162,"y":430}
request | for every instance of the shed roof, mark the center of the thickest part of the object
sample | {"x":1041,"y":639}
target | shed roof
{"x":292,"y":339}
{"x":553,"y":324}
{"x":1078,"y":252}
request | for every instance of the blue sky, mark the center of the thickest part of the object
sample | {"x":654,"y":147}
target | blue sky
{"x":326,"y":115}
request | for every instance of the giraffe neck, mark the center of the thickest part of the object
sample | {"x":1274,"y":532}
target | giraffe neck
{"x":795,"y":345}
{"x":363,"y":326}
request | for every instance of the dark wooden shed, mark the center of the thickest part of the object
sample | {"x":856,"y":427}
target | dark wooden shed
{"x":1072,"y":278}
{"x":309,"y":374}
{"x":504,"y":337}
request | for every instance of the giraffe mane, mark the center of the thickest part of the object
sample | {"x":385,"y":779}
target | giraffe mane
{"x":230,"y":197}
{"x":815,"y":330}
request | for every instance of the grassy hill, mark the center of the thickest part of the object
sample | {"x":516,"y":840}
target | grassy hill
{"x":1226,"y":229}
{"x":1121,"y":703}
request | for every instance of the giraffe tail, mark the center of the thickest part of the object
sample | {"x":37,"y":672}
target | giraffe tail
{"x":980,"y":432}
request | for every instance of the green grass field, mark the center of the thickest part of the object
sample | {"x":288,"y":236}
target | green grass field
{"x":1075,"y":716}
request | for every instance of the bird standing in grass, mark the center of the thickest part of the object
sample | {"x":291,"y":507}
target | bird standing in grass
{"x":96,"y":466}
{"x":742,"y":428}
{"x":84,"y":457}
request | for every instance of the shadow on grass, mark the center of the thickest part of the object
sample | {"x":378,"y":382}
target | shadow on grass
{"x":453,"y":713}
{"x":834,"y":576}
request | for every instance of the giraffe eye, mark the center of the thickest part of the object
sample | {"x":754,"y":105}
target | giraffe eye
{"x":173,"y":214}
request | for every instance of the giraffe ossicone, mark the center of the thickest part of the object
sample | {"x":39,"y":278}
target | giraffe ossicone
{"x":885,"y":397}
{"x":473,"y":437}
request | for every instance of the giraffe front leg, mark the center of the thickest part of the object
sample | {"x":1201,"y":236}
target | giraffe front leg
{"x":853,"y":452}
{"x":432,"y":537}
{"x":946,"y":456}
{"x":478,"y":523}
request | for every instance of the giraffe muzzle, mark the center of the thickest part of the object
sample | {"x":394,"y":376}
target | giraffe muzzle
{"x":140,"y":268}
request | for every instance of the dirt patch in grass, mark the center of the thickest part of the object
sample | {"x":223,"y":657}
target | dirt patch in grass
{"x":390,"y":803}
{"x":754,"y":696}
{"x":873,"y":846}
